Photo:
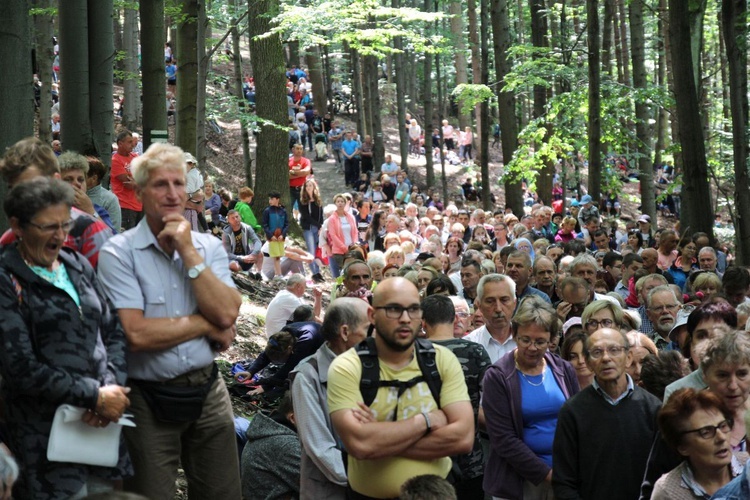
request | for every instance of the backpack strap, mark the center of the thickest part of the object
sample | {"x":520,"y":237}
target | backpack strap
{"x":370,"y":380}
{"x":426,"y":354}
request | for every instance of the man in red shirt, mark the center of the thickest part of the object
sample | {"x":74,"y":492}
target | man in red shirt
{"x":299,"y":168}
{"x":122,"y":183}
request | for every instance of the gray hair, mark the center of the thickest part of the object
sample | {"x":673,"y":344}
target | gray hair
{"x":342,"y":311}
{"x":376,"y":257}
{"x":73,"y":161}
{"x":495,"y":278}
{"x":660,"y":289}
{"x":583,"y":259}
{"x":28,"y":198}
{"x":710,"y":250}
{"x":158,"y":155}
{"x":534,"y":310}
{"x":232,"y":212}
{"x":294,"y":280}
{"x":731,"y":347}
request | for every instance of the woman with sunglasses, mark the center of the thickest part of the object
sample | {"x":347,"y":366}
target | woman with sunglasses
{"x":523,"y":393}
{"x":697,"y":424}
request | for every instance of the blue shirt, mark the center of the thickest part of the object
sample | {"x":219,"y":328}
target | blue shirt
{"x":541,"y":400}
{"x":350,"y":146}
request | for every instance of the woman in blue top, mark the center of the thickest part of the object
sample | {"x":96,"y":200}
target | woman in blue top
{"x":523,"y":393}
{"x":684,"y":263}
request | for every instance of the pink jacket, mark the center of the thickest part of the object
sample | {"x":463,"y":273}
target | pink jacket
{"x":336,"y":236}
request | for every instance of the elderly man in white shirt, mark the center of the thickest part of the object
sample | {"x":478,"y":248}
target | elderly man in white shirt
{"x":496,"y":298}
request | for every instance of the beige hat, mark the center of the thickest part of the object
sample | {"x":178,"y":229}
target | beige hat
{"x":189,"y":158}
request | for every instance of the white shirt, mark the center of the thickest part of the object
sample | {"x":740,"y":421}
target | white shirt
{"x":494,"y":348}
{"x":280,"y":311}
{"x":194,"y":181}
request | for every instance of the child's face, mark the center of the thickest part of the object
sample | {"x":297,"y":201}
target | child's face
{"x":274,"y":202}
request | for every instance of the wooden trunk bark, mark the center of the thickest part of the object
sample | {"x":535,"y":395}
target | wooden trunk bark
{"x":539,"y":40}
{"x":501,"y":42}
{"x":272,"y":173}
{"x":594,"y":118}
{"x":44,"y":57}
{"x":357,"y":89}
{"x":697,"y":213}
{"x":734,"y":19}
{"x":315,"y":75}
{"x":187,"y":77}
{"x":240,"y":95}
{"x":484,"y":136}
{"x":642,"y":111}
{"x":154,"y":92}
{"x":476,"y":71}
{"x":204,"y":67}
{"x":16,"y":86}
{"x":119,"y":42}
{"x":624,"y":42}
{"x":75,"y":116}
{"x":455,"y":9}
{"x":101,"y":84}
{"x":607,"y":37}
{"x":398,"y":64}
{"x":378,"y":151}
{"x":661,"y":82}
{"x":132,"y":112}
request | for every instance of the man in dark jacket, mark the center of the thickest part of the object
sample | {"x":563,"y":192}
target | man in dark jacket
{"x":242,"y":245}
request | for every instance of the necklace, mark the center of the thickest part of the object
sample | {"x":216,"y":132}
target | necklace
{"x":526,"y":377}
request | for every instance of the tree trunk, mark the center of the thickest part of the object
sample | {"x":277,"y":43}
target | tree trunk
{"x":441,"y":111}
{"x":16,"y":87}
{"x":594,"y":118}
{"x":204,"y":66}
{"x":624,"y":42}
{"x":734,"y":18}
{"x":476,"y":71}
{"x":697,"y":213}
{"x":661,"y":82}
{"x":101,"y":85}
{"x":75,"y":117}
{"x":369,"y":88}
{"x":271,"y":105}
{"x":539,"y":40}
{"x":455,"y":9}
{"x":501,"y":42}
{"x":239,"y":94}
{"x":117,"y":30}
{"x":642,"y":111}
{"x":484,"y":136}
{"x":132,"y":110}
{"x":357,"y":88}
{"x":607,"y":37}
{"x":187,"y":77}
{"x":398,"y":64}
{"x":315,"y":75}
{"x":154,"y":92}
{"x":620,"y":57}
{"x":378,"y":150}
{"x":428,"y":108}
{"x":44,"y":57}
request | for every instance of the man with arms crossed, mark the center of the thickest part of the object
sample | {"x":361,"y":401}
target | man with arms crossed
{"x":177,"y":303}
{"x":398,"y":437}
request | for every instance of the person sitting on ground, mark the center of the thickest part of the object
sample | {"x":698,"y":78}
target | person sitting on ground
{"x":242,"y":245}
{"x":100,"y":196}
{"x":287,"y":348}
{"x":282,"y":306}
{"x":293,"y":261}
{"x":74,"y":168}
{"x":270,"y":465}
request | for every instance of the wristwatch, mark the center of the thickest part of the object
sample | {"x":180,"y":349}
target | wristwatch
{"x":427,"y":421}
{"x":196,"y":271}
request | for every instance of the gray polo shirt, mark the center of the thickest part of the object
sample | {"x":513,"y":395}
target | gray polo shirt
{"x":137,"y":274}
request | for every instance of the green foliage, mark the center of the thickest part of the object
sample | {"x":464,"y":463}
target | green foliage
{"x":364,"y":25}
{"x":48,"y":11}
{"x":470,"y":95}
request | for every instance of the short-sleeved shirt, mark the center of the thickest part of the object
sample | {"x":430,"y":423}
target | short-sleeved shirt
{"x":382,"y":478}
{"x":137,"y":274}
{"x":127,"y":197}
{"x":303,"y":163}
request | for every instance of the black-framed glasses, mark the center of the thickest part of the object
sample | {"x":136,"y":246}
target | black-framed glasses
{"x":395,"y":312}
{"x":613,"y":351}
{"x":593,"y":324}
{"x":709,"y":431}
{"x":54,"y":227}
{"x":527,"y":342}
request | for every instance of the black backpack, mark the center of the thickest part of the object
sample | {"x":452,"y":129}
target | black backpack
{"x":370,"y":381}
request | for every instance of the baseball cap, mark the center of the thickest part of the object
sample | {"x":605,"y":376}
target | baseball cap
{"x":680,"y":320}
{"x":575,"y":203}
{"x":587,"y":199}
{"x":644,"y":218}
{"x":575,"y":320}
{"x":189,"y":158}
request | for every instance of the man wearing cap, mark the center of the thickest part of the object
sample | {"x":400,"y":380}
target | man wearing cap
{"x":194,"y":188}
{"x":644,"y":224}
{"x":589,"y":210}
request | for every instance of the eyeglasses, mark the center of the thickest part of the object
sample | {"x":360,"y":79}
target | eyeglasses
{"x":463,"y":315}
{"x":526,"y":342}
{"x":668,"y":307}
{"x":613,"y":351}
{"x":709,"y":431}
{"x":53,"y":228}
{"x":395,"y":312}
{"x":593,"y":324}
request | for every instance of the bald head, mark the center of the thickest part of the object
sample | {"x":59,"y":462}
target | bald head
{"x":391,"y":287}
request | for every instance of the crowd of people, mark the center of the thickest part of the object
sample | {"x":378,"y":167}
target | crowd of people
{"x":463,"y":354}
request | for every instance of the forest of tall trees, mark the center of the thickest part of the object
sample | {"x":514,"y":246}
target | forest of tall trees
{"x":571,"y":83}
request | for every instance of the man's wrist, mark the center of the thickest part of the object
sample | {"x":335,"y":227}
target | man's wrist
{"x":427,"y":422}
